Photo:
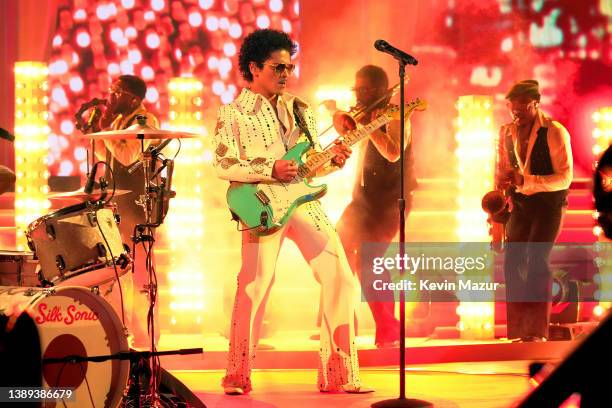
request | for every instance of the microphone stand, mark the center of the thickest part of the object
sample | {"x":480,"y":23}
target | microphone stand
{"x":122,"y":355}
{"x":402,"y":401}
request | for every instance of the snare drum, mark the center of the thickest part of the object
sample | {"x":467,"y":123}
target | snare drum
{"x":18,"y":268}
{"x":68,"y":321}
{"x":78,"y":240}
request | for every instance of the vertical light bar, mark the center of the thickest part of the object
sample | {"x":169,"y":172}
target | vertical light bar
{"x":185,"y":220}
{"x":602,"y":133}
{"x":602,"y":137}
{"x":603,"y":279}
{"x":31,"y":145}
{"x":476,"y":163}
{"x":476,"y":147}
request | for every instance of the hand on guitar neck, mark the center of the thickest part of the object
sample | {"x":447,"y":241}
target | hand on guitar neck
{"x":285,"y":170}
{"x":342,"y":151}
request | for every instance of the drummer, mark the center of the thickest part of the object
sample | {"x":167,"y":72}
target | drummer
{"x":124,"y":104}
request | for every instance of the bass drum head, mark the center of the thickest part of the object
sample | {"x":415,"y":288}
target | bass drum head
{"x":73,"y":321}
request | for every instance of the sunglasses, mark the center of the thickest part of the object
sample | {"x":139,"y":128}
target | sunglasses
{"x":115,"y":90}
{"x":364,"y":90}
{"x":280,"y":68}
{"x":521,"y":106}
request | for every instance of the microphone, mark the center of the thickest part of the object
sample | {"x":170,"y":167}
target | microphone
{"x":169,"y":172}
{"x":166,"y":193}
{"x":157,"y":149}
{"x":153,"y":151}
{"x":383,"y":46}
{"x":4,"y":134}
{"x":92,"y":116}
{"x":89,"y":185}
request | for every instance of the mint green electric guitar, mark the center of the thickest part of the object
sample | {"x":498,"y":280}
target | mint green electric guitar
{"x":267,"y":206}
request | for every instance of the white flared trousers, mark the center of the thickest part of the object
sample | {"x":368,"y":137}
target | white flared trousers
{"x":318,"y":242}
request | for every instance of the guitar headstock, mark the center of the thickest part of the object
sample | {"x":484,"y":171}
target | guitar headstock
{"x":417,"y":104}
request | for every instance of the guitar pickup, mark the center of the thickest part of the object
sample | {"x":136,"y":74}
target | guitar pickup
{"x":261,"y":196}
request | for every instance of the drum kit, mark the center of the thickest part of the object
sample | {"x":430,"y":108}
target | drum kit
{"x":76,"y":251}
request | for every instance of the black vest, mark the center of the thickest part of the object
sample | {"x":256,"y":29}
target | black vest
{"x":540,"y":161}
{"x":381,"y":178}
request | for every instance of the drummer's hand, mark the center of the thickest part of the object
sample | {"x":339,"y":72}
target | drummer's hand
{"x":285,"y":170}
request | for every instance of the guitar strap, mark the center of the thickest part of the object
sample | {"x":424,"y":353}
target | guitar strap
{"x":301,"y":124}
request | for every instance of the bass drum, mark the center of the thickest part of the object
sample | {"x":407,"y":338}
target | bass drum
{"x":68,"y":321}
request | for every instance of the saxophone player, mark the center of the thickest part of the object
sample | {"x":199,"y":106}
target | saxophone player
{"x":542,"y":150}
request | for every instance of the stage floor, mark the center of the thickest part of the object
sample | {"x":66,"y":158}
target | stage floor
{"x":473,"y":385}
{"x":296,"y":350}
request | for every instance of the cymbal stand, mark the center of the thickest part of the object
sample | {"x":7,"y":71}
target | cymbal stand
{"x":144,"y":234}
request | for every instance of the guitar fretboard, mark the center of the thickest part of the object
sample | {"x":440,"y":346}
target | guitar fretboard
{"x":319,"y":159}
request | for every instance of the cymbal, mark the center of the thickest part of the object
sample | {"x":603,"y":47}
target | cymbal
{"x":138,"y":132}
{"x":82,"y":196}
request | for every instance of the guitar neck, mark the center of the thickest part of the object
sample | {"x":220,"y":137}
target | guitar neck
{"x":320,"y":159}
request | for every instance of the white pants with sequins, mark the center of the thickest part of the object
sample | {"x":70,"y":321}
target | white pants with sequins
{"x":320,"y":245}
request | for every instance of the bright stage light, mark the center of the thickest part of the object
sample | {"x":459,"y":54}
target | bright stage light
{"x":276,"y":5}
{"x":185,"y":222}
{"x":229,"y":49}
{"x":79,"y":15}
{"x":206,"y":4}
{"x":152,"y":95}
{"x":212,"y":23}
{"x":158,"y":5}
{"x":235,"y":30}
{"x":58,"y":67}
{"x":31,"y":146}
{"x":57,"y":40}
{"x":135,"y":56}
{"x":113,"y":69}
{"x":475,"y":154}
{"x":152,"y":40}
{"x":195,"y":19}
{"x":263,"y":21}
{"x":147,"y":73}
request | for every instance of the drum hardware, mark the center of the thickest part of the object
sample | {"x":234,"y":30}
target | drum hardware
{"x":138,"y":392}
{"x":18,"y":268}
{"x":155,"y":203}
{"x":61,"y":264}
{"x":101,"y":249}
{"x":50,"y":231}
{"x":43,"y":282}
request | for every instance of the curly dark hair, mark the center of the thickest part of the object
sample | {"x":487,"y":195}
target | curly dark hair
{"x":258,"y":46}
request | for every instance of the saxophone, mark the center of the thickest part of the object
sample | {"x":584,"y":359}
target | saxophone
{"x":497,"y":202}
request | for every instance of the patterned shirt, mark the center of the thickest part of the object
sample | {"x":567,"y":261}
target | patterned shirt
{"x":250,"y":137}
